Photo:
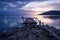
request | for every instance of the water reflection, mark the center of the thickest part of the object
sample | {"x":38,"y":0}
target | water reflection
{"x":10,"y":21}
{"x":52,"y":16}
{"x":50,"y":20}
{"x":45,"y":20}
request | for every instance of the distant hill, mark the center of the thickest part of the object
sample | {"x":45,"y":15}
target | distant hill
{"x":52,"y":12}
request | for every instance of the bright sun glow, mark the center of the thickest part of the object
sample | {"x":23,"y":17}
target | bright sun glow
{"x":37,"y":6}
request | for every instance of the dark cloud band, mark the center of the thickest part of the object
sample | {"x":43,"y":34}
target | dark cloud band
{"x":20,"y":0}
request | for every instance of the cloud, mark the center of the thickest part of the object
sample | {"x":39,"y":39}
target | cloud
{"x":15,"y":3}
{"x":37,"y":6}
{"x":6,"y":5}
{"x":32,"y":0}
{"x":5,"y":8}
{"x":20,"y":0}
{"x":12,"y":5}
{"x":55,"y":4}
{"x":42,"y":6}
{"x":31,"y":4}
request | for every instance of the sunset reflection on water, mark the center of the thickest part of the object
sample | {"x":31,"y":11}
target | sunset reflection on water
{"x":41,"y":17}
{"x":44,"y":20}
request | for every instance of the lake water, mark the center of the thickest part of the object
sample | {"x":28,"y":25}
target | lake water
{"x":52,"y":20}
{"x":15,"y":21}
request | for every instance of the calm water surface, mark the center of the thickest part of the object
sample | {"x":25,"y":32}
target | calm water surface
{"x":50,"y":20}
{"x":15,"y":21}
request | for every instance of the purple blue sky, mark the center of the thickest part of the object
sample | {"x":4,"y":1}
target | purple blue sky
{"x":30,"y":6}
